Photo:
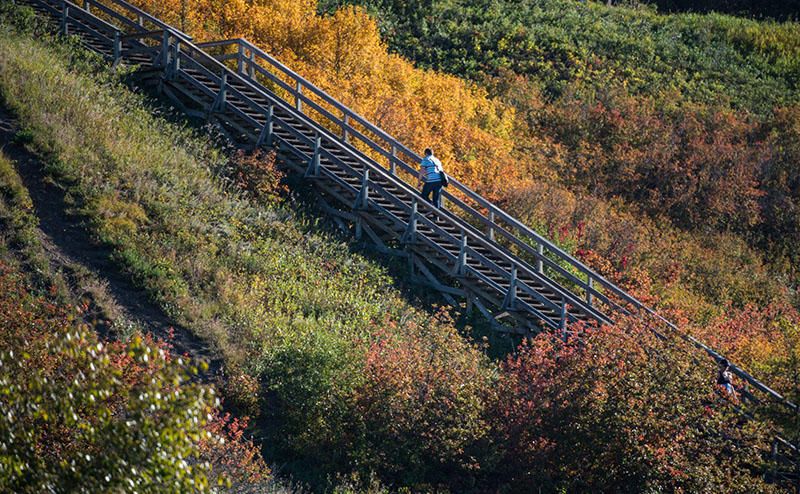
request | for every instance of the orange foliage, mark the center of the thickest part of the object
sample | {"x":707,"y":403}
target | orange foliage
{"x":344,"y":55}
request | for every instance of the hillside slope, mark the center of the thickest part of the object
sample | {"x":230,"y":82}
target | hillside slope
{"x":354,"y":383}
{"x":660,"y":193}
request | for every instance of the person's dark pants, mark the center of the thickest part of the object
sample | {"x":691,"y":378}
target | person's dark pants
{"x":432,"y":187}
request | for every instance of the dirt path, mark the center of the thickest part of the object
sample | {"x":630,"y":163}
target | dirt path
{"x":67,"y":242}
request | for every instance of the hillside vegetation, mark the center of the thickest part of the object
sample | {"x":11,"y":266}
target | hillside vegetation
{"x":84,"y":415}
{"x":351,"y":385}
{"x":665,"y":187}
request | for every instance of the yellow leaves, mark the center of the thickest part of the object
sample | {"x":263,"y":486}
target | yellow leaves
{"x":122,"y":217}
{"x":343,"y":54}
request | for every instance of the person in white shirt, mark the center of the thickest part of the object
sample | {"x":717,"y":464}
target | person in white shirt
{"x":430,"y":172}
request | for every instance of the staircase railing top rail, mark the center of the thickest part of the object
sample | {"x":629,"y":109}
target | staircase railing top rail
{"x":141,"y":14}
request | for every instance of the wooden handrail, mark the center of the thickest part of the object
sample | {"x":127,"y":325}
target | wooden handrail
{"x":145,"y":16}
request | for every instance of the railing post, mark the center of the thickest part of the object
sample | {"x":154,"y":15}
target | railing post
{"x":365,"y":187}
{"x":562,"y":323}
{"x":460,"y":268}
{"x":298,"y":103}
{"x":345,"y":126}
{"x":491,"y":228}
{"x":392,"y":164}
{"x":165,"y":55}
{"x":270,"y":122}
{"x":240,"y":59}
{"x":87,"y":7}
{"x":250,"y":69}
{"x":410,"y":234}
{"x":266,"y":132}
{"x":462,"y":264}
{"x":117,"y":46}
{"x":540,"y":251}
{"x":363,"y":195}
{"x":176,"y":55}
{"x":511,"y":295}
{"x":64,"y":17}
{"x":219,"y":103}
{"x":139,"y":20}
{"x":590,"y":283}
{"x":313,"y":163}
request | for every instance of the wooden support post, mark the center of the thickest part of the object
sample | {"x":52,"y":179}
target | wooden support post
{"x":240,"y":59}
{"x":87,"y":7}
{"x":65,"y":24}
{"x":540,"y":251}
{"x":488,"y":315}
{"x":562,"y":323}
{"x":363,"y":194}
{"x":298,"y":103}
{"x":412,"y":260}
{"x":117,"y":47}
{"x":266,"y":132}
{"x":313,"y":162}
{"x":220,"y":102}
{"x":433,"y":281}
{"x":223,"y":92}
{"x":460,"y":269}
{"x":358,"y":228}
{"x":250,"y":66}
{"x":392,"y":163}
{"x":774,"y":457}
{"x":511,"y":295}
{"x":165,"y":55}
{"x":410,"y":235}
{"x":139,"y":20}
{"x":176,"y":56}
{"x":589,"y":295}
{"x":491,"y":228}
{"x":345,"y":126}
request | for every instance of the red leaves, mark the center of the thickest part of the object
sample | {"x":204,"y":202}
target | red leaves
{"x":257,"y":174}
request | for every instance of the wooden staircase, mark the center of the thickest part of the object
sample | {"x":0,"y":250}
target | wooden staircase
{"x":468,"y":250}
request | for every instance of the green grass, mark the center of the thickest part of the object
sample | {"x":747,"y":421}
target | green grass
{"x":558,"y":43}
{"x":241,"y":274}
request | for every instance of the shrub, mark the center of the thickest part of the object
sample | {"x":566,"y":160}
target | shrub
{"x":618,"y":411}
